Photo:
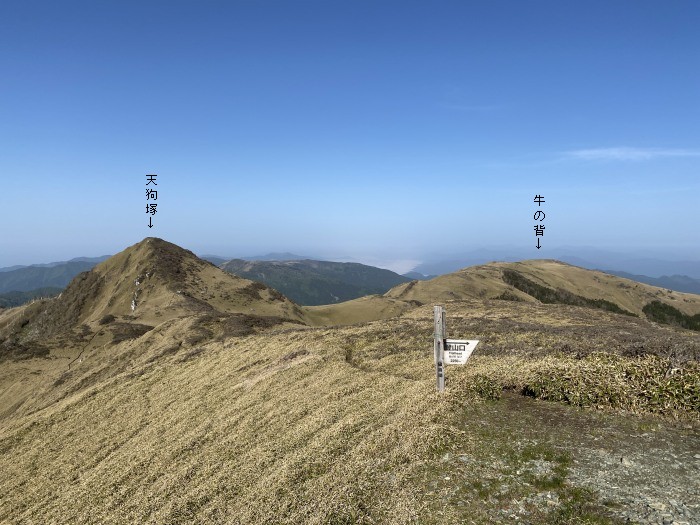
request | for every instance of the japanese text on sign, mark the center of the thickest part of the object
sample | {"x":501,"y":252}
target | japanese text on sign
{"x":151,"y":197}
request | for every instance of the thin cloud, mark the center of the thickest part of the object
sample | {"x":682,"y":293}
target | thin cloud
{"x":629,"y":154}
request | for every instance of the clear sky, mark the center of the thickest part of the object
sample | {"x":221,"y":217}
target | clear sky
{"x":369,"y":129}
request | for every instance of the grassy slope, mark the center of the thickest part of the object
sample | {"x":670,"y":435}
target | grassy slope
{"x":486,"y":282}
{"x":268,"y":430}
{"x":207,"y":290}
{"x":174,"y":282}
{"x":325,"y":425}
{"x":364,"y":309}
{"x":476,"y":282}
{"x":94,"y":314}
{"x":629,"y":295}
{"x":163,"y":282}
{"x":201,"y":420}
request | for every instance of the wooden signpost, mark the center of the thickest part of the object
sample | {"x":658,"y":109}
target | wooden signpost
{"x":440,"y":331}
{"x":448,"y":351}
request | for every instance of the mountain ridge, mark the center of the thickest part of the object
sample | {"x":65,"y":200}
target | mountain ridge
{"x":486,"y":282}
{"x":30,"y":278}
{"x":186,"y":406}
{"x":311,"y":282}
{"x":590,"y":259}
{"x":94,"y":260}
{"x":155,"y":288}
{"x":146,"y":284}
{"x":679,"y":283}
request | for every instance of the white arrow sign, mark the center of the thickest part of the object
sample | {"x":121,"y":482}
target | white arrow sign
{"x":457,"y":351}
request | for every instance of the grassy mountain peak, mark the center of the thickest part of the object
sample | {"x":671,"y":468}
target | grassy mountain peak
{"x":487,"y":282}
{"x":142,"y":286}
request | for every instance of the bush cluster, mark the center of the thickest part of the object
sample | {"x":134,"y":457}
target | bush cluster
{"x":667,"y":314}
{"x":550,"y":296}
{"x":647,"y":384}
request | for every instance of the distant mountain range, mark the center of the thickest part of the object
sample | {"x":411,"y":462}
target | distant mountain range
{"x":312,"y":282}
{"x":93,"y":260}
{"x":416,"y":276}
{"x":278,"y":256}
{"x":274,"y":256}
{"x":300,"y":278}
{"x":653,"y":268}
{"x":56,"y":275}
{"x":12,"y":299}
{"x":308,"y":282}
{"x":680,"y":283}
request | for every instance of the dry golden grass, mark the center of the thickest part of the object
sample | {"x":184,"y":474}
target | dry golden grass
{"x":301,"y":425}
{"x":185,"y":410}
{"x":173,"y":282}
{"x":475,"y":282}
{"x":364,"y":309}
{"x":146,"y":284}
{"x":279,"y":429}
{"x":485,"y":282}
{"x":161,"y":281}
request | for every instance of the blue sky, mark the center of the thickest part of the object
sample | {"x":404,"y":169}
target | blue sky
{"x":382,"y":131}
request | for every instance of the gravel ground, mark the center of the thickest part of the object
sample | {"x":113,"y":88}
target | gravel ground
{"x":654,"y":475}
{"x":522,"y":460}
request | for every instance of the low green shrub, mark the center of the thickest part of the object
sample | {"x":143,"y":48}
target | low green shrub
{"x":648,"y":384}
{"x":550,"y":296}
{"x":667,"y":314}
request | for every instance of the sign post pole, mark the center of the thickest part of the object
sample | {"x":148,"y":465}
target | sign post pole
{"x":439,"y":346}
{"x":448,"y":351}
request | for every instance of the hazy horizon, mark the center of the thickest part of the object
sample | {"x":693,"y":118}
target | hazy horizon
{"x":404,"y":265}
{"x":378,"y":131}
